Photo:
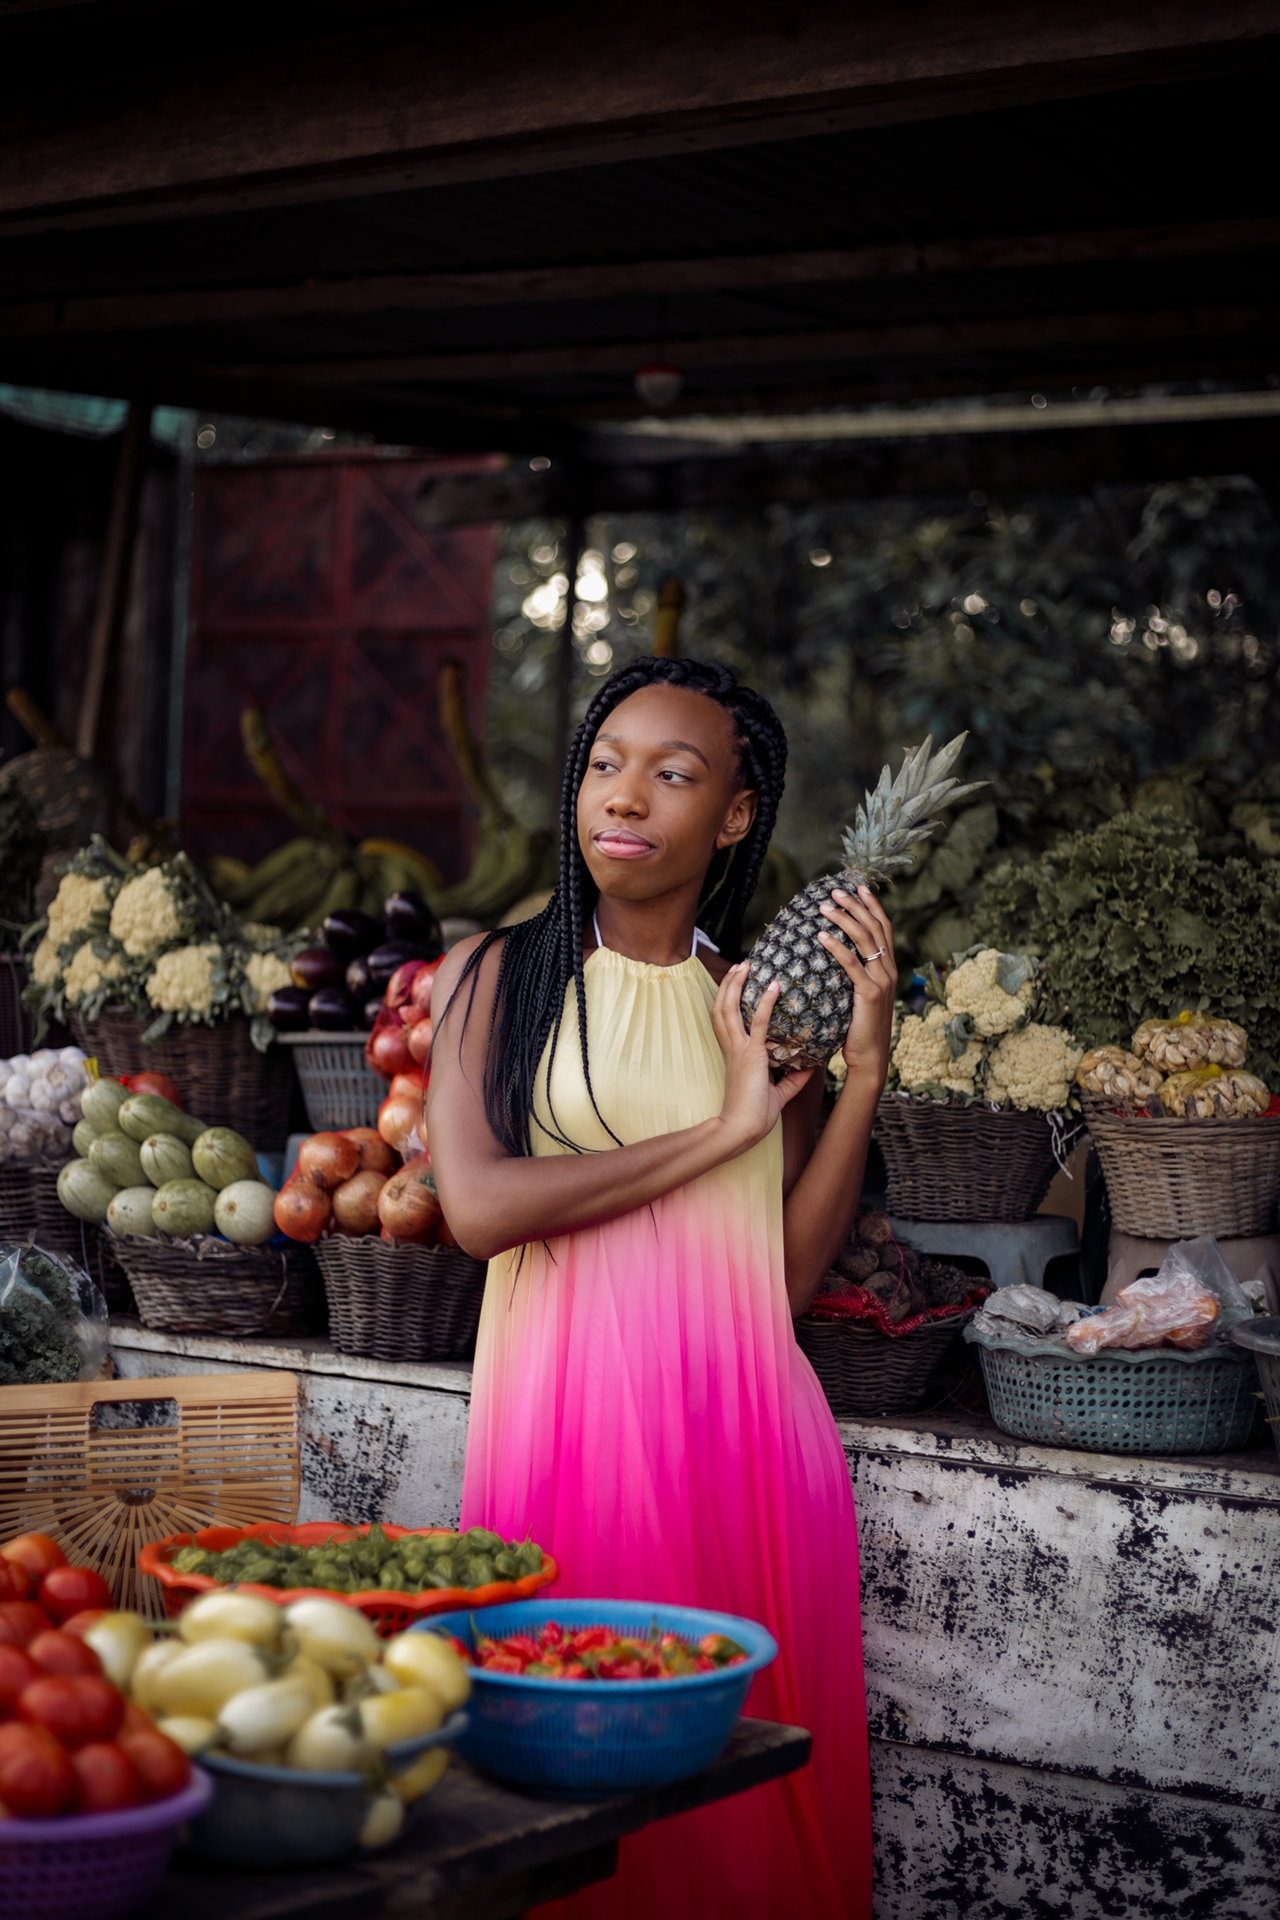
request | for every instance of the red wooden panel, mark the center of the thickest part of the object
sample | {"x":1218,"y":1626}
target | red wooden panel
{"x":316,"y":595}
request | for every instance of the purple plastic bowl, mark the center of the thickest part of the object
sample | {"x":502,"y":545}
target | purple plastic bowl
{"x":93,"y":1866}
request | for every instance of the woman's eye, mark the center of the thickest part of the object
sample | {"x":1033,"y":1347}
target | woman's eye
{"x":602,"y":766}
{"x":670,"y":774}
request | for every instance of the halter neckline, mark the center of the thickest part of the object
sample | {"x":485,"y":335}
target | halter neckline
{"x":698,"y":935}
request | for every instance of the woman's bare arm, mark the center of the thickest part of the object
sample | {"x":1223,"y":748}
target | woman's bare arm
{"x":494,"y":1200}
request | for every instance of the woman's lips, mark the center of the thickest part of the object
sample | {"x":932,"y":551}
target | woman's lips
{"x":623,"y":846}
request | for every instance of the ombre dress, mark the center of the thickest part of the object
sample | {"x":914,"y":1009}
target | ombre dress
{"x":641,"y":1407}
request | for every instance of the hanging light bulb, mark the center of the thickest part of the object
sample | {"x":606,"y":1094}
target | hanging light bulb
{"x":659,"y":383}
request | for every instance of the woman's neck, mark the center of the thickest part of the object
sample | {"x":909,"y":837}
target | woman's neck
{"x":657,"y":932}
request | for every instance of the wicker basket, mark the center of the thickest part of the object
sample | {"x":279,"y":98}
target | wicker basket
{"x":106,"y":1465}
{"x":221,"y":1074}
{"x":31,"y":1210}
{"x":1177,"y":1179}
{"x":209,"y":1286}
{"x":962,"y":1163}
{"x":389,"y":1302}
{"x":865,"y":1372}
{"x":1157,"y":1401}
{"x":338,"y":1085}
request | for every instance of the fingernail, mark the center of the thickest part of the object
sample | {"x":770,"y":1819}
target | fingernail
{"x":838,"y":893}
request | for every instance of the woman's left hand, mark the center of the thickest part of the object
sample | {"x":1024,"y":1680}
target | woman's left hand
{"x":864,"y":921}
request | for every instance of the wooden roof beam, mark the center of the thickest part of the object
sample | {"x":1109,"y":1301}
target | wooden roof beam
{"x":930,"y":338}
{"x":517,"y":286}
{"x":163,"y":126}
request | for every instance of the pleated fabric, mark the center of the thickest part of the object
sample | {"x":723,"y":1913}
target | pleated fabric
{"x":641,"y":1407}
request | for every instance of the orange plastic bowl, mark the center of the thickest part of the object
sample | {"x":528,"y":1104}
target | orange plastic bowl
{"x":390,"y":1612}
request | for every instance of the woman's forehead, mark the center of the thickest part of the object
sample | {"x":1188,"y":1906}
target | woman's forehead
{"x":663,"y":716}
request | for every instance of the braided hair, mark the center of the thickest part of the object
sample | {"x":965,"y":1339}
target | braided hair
{"x":541,"y":956}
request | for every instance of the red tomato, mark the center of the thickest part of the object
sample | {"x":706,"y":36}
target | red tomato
{"x":75,"y":1708}
{"x":106,"y":1779}
{"x":36,"y":1552}
{"x":36,"y":1776}
{"x":62,"y":1653}
{"x":135,"y":1720}
{"x":21,"y":1621}
{"x":17,"y":1671}
{"x":154,"y":1083}
{"x":15,"y":1581}
{"x":80,"y":1623}
{"x":163,"y":1765}
{"x":68,"y":1590}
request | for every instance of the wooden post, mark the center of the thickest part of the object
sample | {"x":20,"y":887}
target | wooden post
{"x":574,"y":540}
{"x":113,"y":583}
{"x":667,"y":619}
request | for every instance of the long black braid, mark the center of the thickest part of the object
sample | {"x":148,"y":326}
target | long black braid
{"x":541,"y":956}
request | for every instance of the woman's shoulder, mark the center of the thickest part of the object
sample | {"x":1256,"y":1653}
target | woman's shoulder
{"x":455,"y":970}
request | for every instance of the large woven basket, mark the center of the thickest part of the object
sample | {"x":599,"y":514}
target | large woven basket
{"x":865,"y":1372}
{"x":389,"y":1302}
{"x":222,"y":1076}
{"x":962,"y":1163}
{"x":31,"y":1210}
{"x":206,"y":1285}
{"x":338,"y":1085}
{"x":1177,"y":1179}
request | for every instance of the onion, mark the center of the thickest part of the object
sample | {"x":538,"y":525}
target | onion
{"x":355,"y":1202}
{"x":328,"y":1159}
{"x":407,"y":1086}
{"x":375,"y":1154}
{"x":421,"y":994}
{"x":387,"y":1048}
{"x":400,"y":985}
{"x":408,"y":1206}
{"x":302,"y":1209}
{"x":398,"y":1118}
{"x":420,"y":1040}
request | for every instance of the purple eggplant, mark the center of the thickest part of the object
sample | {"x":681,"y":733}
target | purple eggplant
{"x":287,"y":1009}
{"x":350,"y":934}
{"x":316,"y":967}
{"x":409,"y":918}
{"x":331,"y":1009}
{"x":369,"y":1014}
{"x":359,"y":979}
{"x":384,"y":960}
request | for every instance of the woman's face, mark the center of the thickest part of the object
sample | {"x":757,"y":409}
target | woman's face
{"x":661,"y":793}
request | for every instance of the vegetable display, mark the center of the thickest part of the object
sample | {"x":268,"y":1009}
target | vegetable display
{"x":415,"y":1563}
{"x":71,"y":1741}
{"x":40,"y":1104}
{"x":1188,"y":1068}
{"x":986,"y":1037}
{"x":601,"y":1653}
{"x":53,"y":1320}
{"x":148,"y":1168}
{"x":154,"y":940}
{"x":338,"y":985}
{"x":352,"y":1183}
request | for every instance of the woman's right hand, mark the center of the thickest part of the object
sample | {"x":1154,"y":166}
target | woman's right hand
{"x":752,"y":1101}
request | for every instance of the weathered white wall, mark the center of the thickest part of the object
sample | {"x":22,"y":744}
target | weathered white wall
{"x":1072,"y":1659}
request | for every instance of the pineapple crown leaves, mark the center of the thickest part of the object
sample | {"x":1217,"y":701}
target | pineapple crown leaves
{"x":894,"y":818}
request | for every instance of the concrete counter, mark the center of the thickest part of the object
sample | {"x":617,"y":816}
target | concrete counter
{"x":1071,"y":1658}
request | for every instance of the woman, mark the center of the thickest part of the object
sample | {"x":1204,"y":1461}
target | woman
{"x":654,"y":1209}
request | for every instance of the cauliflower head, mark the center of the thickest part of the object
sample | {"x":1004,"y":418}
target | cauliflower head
{"x":265,"y":972}
{"x":73,"y":906}
{"x":87,"y":972}
{"x":145,"y":916}
{"x":45,"y":964}
{"x":922,"y":1056}
{"x":183,"y":981}
{"x":972,"y":988}
{"x":1034,"y":1068}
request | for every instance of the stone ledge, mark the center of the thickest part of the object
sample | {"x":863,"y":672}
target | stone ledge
{"x":296,"y":1354}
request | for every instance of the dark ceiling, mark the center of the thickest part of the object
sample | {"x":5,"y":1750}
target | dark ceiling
{"x":1122,"y":233}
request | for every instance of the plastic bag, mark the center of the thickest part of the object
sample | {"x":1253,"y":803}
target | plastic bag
{"x":1193,"y":1298}
{"x":53,"y":1320}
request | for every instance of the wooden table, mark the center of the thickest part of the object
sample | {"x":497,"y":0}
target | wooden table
{"x":477,"y":1851}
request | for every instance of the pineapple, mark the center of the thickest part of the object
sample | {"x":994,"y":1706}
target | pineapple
{"x":811,"y":1017}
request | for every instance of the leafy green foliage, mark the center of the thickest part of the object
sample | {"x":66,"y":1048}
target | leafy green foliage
{"x":38,"y":1316}
{"x":1140,"y":919}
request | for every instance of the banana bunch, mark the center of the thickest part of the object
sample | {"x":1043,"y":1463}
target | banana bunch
{"x":509,"y":862}
{"x":300,"y":883}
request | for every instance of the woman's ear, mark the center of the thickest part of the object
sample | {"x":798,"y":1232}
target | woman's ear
{"x":738,"y":821}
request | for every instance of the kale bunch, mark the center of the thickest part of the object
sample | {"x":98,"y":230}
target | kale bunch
{"x":39,"y":1315}
{"x":1139,"y":919}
